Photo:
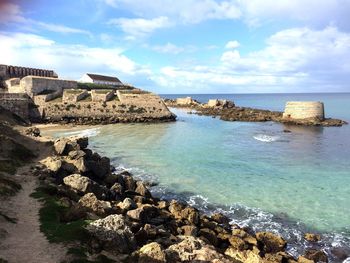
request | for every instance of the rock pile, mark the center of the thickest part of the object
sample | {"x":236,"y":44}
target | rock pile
{"x":128,"y":221}
{"x":227,"y":111}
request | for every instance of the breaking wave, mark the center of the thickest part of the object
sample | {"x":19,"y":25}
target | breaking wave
{"x":266,"y":138}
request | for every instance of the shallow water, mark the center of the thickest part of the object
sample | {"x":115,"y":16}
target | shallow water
{"x":254,"y":172}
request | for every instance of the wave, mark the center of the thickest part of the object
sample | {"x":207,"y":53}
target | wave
{"x":266,"y":138}
{"x":86,"y":133}
{"x":254,"y":218}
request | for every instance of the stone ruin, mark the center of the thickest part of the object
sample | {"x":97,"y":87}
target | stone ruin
{"x":43,"y":98}
{"x":304,"y":110}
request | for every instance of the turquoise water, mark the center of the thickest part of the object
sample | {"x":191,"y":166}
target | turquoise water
{"x":254,"y":172}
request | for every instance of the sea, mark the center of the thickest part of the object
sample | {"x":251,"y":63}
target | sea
{"x":259,"y":175}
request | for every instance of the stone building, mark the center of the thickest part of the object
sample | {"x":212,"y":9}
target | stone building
{"x":8,"y":72}
{"x":100,"y":79}
{"x":38,"y":98}
{"x":304,"y":110}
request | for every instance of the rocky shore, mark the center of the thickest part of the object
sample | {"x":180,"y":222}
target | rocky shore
{"x":125,"y":222}
{"x":228,"y":111}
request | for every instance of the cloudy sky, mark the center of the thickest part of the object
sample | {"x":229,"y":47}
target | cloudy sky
{"x":185,"y":46}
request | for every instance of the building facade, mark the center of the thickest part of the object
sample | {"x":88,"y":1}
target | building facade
{"x":100,"y":79}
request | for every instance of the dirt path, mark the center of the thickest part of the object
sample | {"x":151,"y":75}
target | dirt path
{"x":22,"y":241}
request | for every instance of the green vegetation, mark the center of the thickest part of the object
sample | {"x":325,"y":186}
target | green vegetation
{"x":90,"y":86}
{"x":57,"y":231}
{"x":50,"y":214}
{"x":73,"y":91}
{"x":103,"y":91}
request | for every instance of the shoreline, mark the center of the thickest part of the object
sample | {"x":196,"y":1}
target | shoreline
{"x":62,"y":128}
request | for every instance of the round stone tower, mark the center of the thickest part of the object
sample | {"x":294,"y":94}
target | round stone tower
{"x":304,"y":110}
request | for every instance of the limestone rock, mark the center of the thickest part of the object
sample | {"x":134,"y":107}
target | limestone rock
{"x":53,"y":164}
{"x":312,"y":237}
{"x":238,"y":243}
{"x":142,"y":189}
{"x":179,"y":211}
{"x":209,"y":235}
{"x":316,"y":255}
{"x":76,"y":154}
{"x":191,"y":249}
{"x":220,"y":218}
{"x":114,"y":233}
{"x":143,"y":214}
{"x":91,"y":203}
{"x":271,"y":242}
{"x":127,"y":204}
{"x":83,"y":185}
{"x":150,"y":253}
{"x":189,"y":230}
{"x":246,"y":256}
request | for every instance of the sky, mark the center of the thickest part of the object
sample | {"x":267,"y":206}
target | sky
{"x":185,"y":46}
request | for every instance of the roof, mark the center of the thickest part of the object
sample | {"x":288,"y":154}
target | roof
{"x":103,"y":78}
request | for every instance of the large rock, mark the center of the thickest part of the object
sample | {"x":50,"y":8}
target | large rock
{"x":179,"y":211}
{"x":83,"y":185}
{"x":270,"y":242}
{"x":316,"y":255}
{"x":312,"y":237}
{"x":191,"y":249}
{"x":92,"y":204}
{"x":114,"y":233}
{"x":64,"y":145}
{"x":141,"y":189}
{"x":53,"y":164}
{"x":144,"y":214}
{"x":151,"y":252}
{"x":100,"y":167}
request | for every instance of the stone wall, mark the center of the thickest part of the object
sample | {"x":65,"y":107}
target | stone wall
{"x":35,"y":85}
{"x":16,"y":103}
{"x":74,"y":95}
{"x":304,"y":110}
{"x":7,"y":72}
{"x":99,"y":96}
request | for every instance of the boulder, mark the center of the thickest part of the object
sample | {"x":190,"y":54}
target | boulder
{"x":141,"y":189}
{"x":179,"y":211}
{"x":270,"y":242}
{"x":33,"y":131}
{"x":151,"y":252}
{"x":53,"y":164}
{"x":238,"y":243}
{"x":192,"y":249}
{"x":246,"y":256}
{"x":64,"y":145}
{"x":76,"y":154}
{"x":189,"y":230}
{"x":91,"y":203}
{"x":101,"y":168}
{"x":312,"y":237}
{"x":116,"y":191}
{"x":129,"y":182}
{"x":143,"y":214}
{"x":220,"y":218}
{"x":83,"y":185}
{"x":316,"y":255}
{"x":114,"y":233}
{"x":209,"y":235}
{"x":127,"y":204}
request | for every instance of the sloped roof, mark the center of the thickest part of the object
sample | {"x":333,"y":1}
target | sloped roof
{"x":103,"y":78}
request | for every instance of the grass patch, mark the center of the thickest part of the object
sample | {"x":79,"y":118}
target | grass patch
{"x":103,"y":91}
{"x":8,"y":166}
{"x":50,"y":224}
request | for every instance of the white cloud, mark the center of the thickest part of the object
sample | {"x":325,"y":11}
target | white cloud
{"x":11,"y":13}
{"x":312,"y":12}
{"x":183,"y":12}
{"x":232,"y":44}
{"x":139,"y":27}
{"x":297,"y":59}
{"x":69,"y":61}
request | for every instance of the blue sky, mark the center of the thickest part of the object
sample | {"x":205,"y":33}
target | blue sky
{"x":185,"y":46}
